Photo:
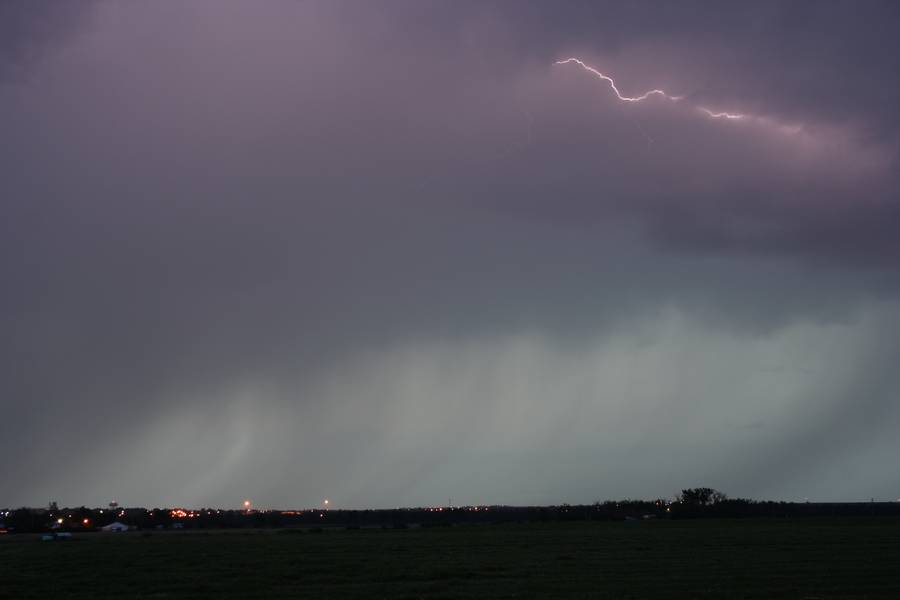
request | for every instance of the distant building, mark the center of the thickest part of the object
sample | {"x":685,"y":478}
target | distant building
{"x":115,"y":527}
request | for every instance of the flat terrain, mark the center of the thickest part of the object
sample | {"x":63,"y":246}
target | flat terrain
{"x":831,"y":558}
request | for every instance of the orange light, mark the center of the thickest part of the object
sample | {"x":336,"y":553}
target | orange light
{"x":86,"y":521}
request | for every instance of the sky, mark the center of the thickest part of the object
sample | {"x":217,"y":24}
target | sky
{"x":401,"y":253}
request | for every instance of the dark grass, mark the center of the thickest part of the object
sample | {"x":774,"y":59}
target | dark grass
{"x":830,"y":558}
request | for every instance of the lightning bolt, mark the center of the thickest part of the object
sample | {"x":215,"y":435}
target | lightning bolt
{"x":718,"y":115}
{"x":612,"y":84}
{"x":721,"y":115}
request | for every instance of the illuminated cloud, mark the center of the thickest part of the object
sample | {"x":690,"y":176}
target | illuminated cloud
{"x":762,"y":121}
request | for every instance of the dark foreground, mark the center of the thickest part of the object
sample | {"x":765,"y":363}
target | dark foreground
{"x":753,"y":558}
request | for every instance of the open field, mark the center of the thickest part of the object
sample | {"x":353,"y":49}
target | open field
{"x":752,"y":558}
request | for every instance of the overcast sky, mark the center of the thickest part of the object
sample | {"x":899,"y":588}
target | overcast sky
{"x":389,"y":253}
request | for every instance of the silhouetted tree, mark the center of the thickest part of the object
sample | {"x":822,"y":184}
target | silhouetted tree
{"x":702,"y":496}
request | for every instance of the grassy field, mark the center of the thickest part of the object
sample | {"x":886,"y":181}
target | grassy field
{"x":836,"y":558}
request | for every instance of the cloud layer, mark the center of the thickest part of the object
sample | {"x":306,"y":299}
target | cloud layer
{"x":393,"y":254}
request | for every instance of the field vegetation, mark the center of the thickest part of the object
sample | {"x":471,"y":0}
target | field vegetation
{"x":811,"y":558}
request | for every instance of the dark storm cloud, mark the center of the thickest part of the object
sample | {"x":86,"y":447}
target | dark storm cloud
{"x":30,"y":30}
{"x":830,"y":59}
{"x":823,"y":69}
{"x":391,"y":250}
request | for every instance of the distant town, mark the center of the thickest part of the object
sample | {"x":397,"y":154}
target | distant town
{"x":56,"y":522}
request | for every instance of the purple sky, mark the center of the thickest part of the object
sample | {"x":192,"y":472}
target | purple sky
{"x":389,"y":253}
